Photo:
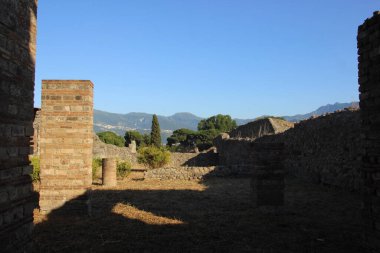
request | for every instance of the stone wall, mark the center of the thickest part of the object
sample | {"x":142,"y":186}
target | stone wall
{"x":66,"y":144}
{"x":103,"y":150}
{"x":17,"y":64}
{"x":236,"y":149}
{"x":325,"y":150}
{"x":193,"y":159}
{"x":180,"y":173}
{"x":369,"y":81}
{"x":191,"y":173}
{"x":237,"y":153}
{"x":261,"y":127}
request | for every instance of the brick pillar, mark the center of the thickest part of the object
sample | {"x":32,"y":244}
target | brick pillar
{"x":17,"y":63}
{"x":66,"y":145}
{"x":268,"y":177}
{"x":369,"y":81}
{"x":109,"y":171}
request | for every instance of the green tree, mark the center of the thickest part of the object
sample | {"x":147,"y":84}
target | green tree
{"x":179,"y":136}
{"x":146,"y":140}
{"x":155,"y":135}
{"x":111,"y":138}
{"x":221,"y":123}
{"x":133,"y":136}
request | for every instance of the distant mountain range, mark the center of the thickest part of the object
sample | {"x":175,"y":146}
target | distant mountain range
{"x":120,"y":123}
{"x":322,"y":110}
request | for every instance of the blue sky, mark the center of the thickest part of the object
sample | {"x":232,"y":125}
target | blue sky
{"x":245,"y":58}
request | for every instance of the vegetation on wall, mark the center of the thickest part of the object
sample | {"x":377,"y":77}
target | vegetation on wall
{"x":35,"y":162}
{"x":111,"y":138}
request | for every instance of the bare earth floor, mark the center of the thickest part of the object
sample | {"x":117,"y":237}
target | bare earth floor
{"x":211,"y":216}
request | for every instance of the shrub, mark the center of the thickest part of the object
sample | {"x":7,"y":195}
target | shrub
{"x":35,"y":161}
{"x":96,"y":165}
{"x":123,"y":168}
{"x":153,"y":157}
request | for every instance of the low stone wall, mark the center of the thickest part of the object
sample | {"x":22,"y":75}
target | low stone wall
{"x":187,"y":166}
{"x":103,"y":150}
{"x":236,"y":152}
{"x":193,"y":159}
{"x":191,"y":173}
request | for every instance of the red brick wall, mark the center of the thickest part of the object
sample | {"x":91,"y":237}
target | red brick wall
{"x":66,"y":144}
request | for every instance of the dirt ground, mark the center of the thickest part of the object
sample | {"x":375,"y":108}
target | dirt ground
{"x":216,"y":215}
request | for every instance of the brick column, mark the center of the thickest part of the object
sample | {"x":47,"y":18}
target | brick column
{"x":66,"y":145}
{"x":109,"y":172}
{"x":17,"y":63}
{"x":369,"y":81}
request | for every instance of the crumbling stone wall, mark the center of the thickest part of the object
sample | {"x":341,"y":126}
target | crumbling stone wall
{"x":369,"y":81}
{"x":236,"y":149}
{"x":188,"y":166}
{"x":261,"y":127}
{"x":17,"y":64}
{"x":66,"y":144}
{"x":103,"y":150}
{"x":236,"y":153}
{"x":191,"y":173}
{"x":193,"y":159}
{"x":324,"y":150}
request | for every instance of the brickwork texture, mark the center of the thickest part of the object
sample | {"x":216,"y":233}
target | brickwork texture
{"x":66,"y":145}
{"x":17,"y":64}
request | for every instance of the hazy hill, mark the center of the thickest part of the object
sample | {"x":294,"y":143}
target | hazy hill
{"x":119,"y":123}
{"x":322,"y":110}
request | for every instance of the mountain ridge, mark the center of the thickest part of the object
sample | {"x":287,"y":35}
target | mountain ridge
{"x":140,"y":121}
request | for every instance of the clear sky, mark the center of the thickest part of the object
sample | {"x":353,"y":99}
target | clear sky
{"x":245,"y":58}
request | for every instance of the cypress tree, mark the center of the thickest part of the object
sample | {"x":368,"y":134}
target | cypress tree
{"x":155,"y":135}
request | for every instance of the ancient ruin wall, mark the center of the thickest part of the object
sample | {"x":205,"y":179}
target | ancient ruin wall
{"x":324,"y":150}
{"x":103,"y":150}
{"x":66,"y":144}
{"x":369,"y":81}
{"x":17,"y":61}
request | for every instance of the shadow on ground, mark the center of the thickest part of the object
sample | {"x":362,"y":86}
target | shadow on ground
{"x":211,"y":216}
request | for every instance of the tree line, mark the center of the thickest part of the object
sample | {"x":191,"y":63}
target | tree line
{"x":181,"y":139}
